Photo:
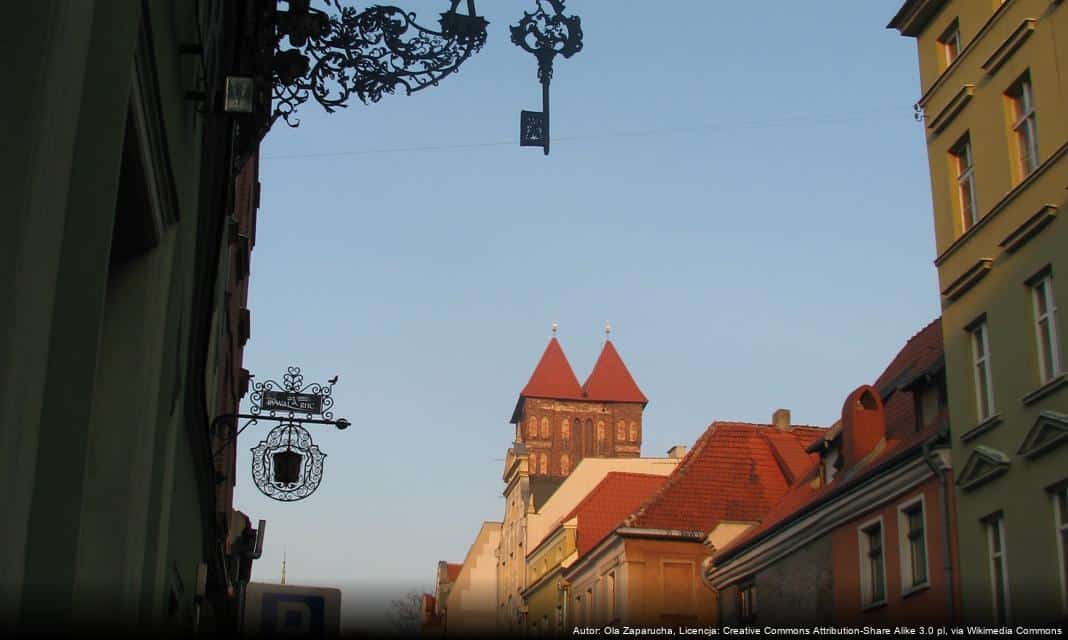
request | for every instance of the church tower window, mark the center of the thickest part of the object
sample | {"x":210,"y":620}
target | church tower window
{"x":565,"y":464}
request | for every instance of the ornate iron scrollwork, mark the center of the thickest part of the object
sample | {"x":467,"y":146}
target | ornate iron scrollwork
{"x":288,"y":465}
{"x":366,"y":54}
{"x":545,"y":34}
{"x":287,"y":485}
{"x":292,"y":382}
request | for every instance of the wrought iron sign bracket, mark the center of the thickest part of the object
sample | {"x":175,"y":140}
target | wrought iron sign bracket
{"x":340,"y":423}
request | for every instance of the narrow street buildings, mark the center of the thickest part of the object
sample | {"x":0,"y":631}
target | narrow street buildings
{"x":994,"y":103}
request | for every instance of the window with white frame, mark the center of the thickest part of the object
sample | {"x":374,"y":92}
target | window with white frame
{"x":999,"y":570}
{"x":1024,"y":125}
{"x":1049,"y":359}
{"x":872,"y":563}
{"x":949,"y":41}
{"x":984,"y":387}
{"x":912,"y":538}
{"x":747,"y":602}
{"x":1060,"y":520}
{"x":610,"y":596}
{"x":963,"y":165}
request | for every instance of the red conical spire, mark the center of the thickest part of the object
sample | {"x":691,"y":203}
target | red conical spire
{"x":610,"y":381}
{"x":553,"y":377}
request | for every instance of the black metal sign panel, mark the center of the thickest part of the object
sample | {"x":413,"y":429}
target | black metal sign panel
{"x":290,"y":401}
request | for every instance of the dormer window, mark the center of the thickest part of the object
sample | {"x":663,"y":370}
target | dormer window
{"x":830,"y":462}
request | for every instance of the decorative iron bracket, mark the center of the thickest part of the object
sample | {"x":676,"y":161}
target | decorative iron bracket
{"x":545,"y":35}
{"x":366,"y":54}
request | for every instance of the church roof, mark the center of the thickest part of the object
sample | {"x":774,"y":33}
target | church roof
{"x":553,"y":377}
{"x":610,"y":380}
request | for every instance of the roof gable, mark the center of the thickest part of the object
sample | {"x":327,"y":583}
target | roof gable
{"x":553,"y":376}
{"x":610,"y":380}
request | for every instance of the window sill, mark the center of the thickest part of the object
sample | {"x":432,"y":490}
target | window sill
{"x":871,"y":606}
{"x":982,"y":427}
{"x":1046,"y":389}
{"x":913,"y":590}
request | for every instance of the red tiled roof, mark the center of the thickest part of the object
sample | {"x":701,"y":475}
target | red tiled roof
{"x":732,"y":473}
{"x":552,"y":377}
{"x":607,"y":504}
{"x":803,"y":493}
{"x":452,"y":570}
{"x":919,"y":354}
{"x":610,"y":381}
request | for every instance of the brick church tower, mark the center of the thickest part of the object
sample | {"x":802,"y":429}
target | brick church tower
{"x":559,"y":422}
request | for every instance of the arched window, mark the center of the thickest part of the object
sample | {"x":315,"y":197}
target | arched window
{"x":565,"y":430}
{"x":532,"y":427}
{"x":565,"y":464}
{"x":621,"y":431}
{"x":600,"y":432}
{"x":545,"y":427}
{"x":544,"y":465}
{"x":633,"y":431}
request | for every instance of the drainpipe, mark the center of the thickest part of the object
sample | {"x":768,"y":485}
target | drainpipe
{"x":939,"y":470}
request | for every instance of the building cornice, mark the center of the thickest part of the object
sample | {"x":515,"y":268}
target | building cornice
{"x":914,"y":15}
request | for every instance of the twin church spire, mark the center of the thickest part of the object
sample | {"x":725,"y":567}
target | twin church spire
{"x":560,"y":421}
{"x":609,"y":380}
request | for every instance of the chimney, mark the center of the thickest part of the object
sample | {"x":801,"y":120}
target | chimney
{"x":781,"y":419}
{"x":677,"y":452}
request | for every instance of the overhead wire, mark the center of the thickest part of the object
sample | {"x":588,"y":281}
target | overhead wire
{"x":667,"y":131}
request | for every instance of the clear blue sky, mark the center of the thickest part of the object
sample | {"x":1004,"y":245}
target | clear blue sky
{"x":739,"y":188}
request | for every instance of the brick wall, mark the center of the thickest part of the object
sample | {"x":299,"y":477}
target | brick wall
{"x":565,"y":432}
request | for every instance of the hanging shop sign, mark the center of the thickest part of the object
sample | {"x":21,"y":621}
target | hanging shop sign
{"x":287,"y":465}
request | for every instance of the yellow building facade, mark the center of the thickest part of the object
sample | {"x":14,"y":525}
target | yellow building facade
{"x":993,"y":90}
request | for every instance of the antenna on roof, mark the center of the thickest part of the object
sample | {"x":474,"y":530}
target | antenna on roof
{"x":555,"y":327}
{"x":283,"y":565}
{"x":607,"y":330}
